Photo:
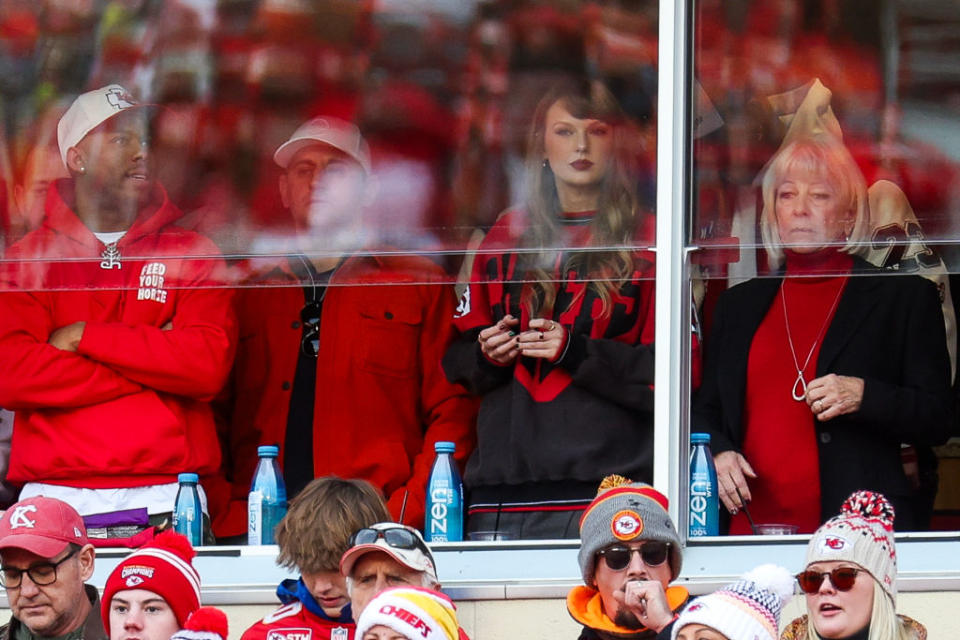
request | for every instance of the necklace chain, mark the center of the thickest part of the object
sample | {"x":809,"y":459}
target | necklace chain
{"x":313,"y":283}
{"x":800,"y":382}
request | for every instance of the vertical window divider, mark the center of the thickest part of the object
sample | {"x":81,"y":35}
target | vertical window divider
{"x":672,"y":368}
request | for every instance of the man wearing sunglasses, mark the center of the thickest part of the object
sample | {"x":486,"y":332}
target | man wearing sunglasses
{"x":629,"y":554}
{"x":45,"y":559}
{"x":385,"y":555}
{"x":344,"y":363}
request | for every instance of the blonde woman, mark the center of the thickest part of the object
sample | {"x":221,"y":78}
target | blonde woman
{"x":826,"y":364}
{"x":850,"y":579}
{"x":557,"y":326}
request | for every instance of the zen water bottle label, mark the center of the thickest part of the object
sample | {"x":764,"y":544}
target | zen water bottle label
{"x":701,"y":491}
{"x":704,"y":512}
{"x":441,"y":499}
{"x":254,"y":517}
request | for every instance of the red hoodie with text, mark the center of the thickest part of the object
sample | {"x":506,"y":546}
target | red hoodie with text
{"x":130,"y":407}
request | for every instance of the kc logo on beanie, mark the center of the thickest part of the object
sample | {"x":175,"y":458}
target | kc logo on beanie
{"x":621,"y":512}
{"x":163,"y":566}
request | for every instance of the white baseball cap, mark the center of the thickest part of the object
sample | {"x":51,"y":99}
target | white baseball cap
{"x":326,"y":130}
{"x":402,"y":543}
{"x":90,"y":110}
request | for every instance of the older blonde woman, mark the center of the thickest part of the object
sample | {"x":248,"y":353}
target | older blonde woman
{"x":815,"y":376}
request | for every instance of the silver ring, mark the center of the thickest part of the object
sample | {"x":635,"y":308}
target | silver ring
{"x":819,"y":405}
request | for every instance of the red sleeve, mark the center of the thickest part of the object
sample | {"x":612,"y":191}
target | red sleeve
{"x":34,"y":374}
{"x":193,"y":358}
{"x":449,"y":411}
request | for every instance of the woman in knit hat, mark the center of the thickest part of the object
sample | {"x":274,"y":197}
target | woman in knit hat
{"x":850,"y":579}
{"x":409,"y":613}
{"x":748,"y":609}
{"x":150,"y":594}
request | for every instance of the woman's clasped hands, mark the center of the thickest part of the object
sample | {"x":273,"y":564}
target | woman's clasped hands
{"x":501,"y":343}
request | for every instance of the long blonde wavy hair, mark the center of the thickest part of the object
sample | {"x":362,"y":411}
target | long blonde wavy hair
{"x":607,"y":261}
{"x":884,"y":622}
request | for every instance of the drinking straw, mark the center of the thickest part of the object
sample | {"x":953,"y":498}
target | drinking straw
{"x":746,"y":511}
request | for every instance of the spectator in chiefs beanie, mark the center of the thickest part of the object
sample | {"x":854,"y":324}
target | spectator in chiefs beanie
{"x":150,"y":594}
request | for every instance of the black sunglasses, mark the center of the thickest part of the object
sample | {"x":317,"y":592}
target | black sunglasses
{"x":396,"y":537}
{"x":42,"y":574}
{"x":652,"y":553}
{"x":842,"y":578}
{"x":310,"y":317}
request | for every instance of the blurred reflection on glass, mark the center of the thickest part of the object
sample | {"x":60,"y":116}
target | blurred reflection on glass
{"x":557,"y":325}
{"x":41,"y":167}
{"x":340,"y":339}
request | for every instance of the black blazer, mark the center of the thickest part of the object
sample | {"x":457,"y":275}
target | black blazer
{"x":887,"y":329}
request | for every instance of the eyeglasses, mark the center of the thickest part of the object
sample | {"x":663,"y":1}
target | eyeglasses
{"x":842,"y":578}
{"x":396,"y":537}
{"x":42,"y":574}
{"x":310,"y":317}
{"x":652,"y":553}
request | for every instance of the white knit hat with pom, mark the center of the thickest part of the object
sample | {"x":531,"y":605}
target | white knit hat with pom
{"x":748,"y":609}
{"x":862,"y":533}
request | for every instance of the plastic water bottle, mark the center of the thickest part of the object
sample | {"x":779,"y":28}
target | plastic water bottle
{"x":267,"y":501}
{"x":444,"y":497}
{"x":704,"y":505}
{"x":187,"y":512}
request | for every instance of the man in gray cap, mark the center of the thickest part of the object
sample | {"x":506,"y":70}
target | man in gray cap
{"x":344,"y":363}
{"x":629,"y":554}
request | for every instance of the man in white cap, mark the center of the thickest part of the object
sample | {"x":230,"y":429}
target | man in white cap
{"x":384,"y":555}
{"x":113,"y":333}
{"x":344,"y":363}
{"x":45,"y":559}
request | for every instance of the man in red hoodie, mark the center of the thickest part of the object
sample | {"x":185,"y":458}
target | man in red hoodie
{"x":113,"y":332}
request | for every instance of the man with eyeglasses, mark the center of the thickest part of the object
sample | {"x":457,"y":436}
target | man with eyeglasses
{"x":45,"y":559}
{"x":340,"y":342}
{"x":629,"y":554}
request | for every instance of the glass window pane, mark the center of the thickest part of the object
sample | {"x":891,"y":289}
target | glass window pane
{"x":825,"y":167}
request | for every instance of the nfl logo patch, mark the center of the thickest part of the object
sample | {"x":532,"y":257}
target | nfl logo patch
{"x":339,"y":633}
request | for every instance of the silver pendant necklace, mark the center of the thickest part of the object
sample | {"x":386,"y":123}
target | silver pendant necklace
{"x":110,"y":258}
{"x":800,"y":384}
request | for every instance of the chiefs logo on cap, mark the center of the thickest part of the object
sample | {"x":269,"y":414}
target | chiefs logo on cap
{"x":626,"y":525}
{"x":832,"y":544}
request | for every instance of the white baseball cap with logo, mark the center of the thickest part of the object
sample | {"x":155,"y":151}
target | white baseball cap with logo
{"x":331,"y":131}
{"x":90,"y":110}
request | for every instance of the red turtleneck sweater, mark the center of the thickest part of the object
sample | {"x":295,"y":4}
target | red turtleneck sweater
{"x":780,"y":436}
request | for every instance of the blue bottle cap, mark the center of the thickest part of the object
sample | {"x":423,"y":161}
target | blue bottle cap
{"x":699,"y":438}
{"x":188,"y":477}
{"x":443,"y":446}
{"x":268,"y":451}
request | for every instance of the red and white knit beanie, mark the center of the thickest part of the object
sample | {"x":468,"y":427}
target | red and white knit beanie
{"x":861,"y":534}
{"x":163,"y":566}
